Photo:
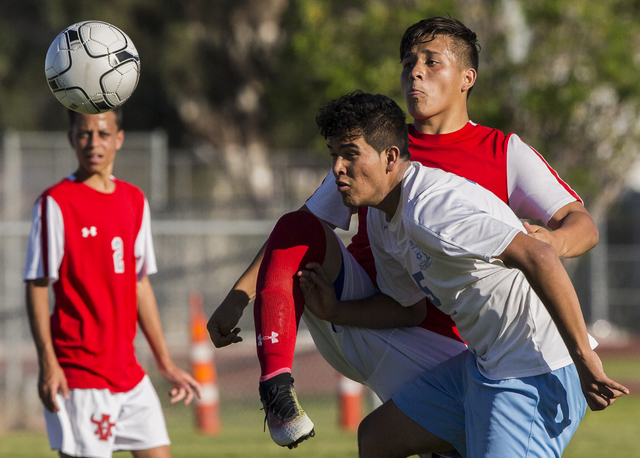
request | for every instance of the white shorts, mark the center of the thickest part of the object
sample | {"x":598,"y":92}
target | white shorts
{"x":383,"y":359}
{"x":96,"y":423}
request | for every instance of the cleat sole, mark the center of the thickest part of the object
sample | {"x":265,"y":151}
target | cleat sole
{"x":293,"y":445}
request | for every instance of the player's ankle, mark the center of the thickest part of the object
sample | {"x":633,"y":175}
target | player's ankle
{"x":282,"y":379}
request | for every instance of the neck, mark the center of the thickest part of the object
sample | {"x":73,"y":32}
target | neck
{"x":101,"y":182}
{"x":444,"y":123}
{"x":390,"y":202}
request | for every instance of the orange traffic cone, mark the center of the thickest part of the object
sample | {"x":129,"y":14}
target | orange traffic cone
{"x":350,"y":404}
{"x":204,"y":370}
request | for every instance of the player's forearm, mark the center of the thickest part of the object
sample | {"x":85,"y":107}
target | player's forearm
{"x":575,"y":233}
{"x":548,"y":278}
{"x":246,"y":284}
{"x":37,"y":300}
{"x":378,"y":312}
{"x":149,"y":320}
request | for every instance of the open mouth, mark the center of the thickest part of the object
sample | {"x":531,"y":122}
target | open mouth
{"x":93,"y":158}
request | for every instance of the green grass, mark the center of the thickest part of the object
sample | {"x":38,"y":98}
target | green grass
{"x":243,"y":435}
{"x":613,"y":432}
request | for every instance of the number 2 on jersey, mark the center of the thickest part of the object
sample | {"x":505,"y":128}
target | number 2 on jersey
{"x":118,"y":255}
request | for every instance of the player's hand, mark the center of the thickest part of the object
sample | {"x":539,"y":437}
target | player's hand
{"x":599,"y":390}
{"x":52,"y":380}
{"x":319,"y":294}
{"x":541,"y":233}
{"x":184,"y":385}
{"x":222,"y":324}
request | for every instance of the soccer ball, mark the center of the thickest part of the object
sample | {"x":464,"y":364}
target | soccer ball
{"x":92,"y":67}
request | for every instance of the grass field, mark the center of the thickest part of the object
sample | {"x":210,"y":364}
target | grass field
{"x":612,"y":433}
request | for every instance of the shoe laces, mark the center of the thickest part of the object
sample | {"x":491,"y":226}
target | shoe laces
{"x":281,"y":402}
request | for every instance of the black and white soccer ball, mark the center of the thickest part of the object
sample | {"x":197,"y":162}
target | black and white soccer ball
{"x":92,"y":67}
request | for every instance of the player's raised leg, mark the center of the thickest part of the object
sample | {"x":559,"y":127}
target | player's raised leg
{"x":297,"y":239}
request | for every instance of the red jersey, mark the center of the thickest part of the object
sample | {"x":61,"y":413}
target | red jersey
{"x":501,"y":163}
{"x":94,"y":247}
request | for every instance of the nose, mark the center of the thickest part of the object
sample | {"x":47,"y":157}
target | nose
{"x":92,"y":138}
{"x":339,"y":167}
{"x":417,"y":72}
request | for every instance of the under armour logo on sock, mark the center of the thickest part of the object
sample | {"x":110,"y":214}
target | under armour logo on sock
{"x":273,"y":338}
{"x":89,"y":231}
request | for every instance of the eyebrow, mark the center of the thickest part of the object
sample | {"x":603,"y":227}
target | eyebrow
{"x":424,"y":51}
{"x":345,"y":145}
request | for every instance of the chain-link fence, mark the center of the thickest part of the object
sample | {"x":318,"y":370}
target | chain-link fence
{"x":206,"y":254}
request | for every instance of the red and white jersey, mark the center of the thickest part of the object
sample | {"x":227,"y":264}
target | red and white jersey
{"x":93,"y":247}
{"x":501,"y":163}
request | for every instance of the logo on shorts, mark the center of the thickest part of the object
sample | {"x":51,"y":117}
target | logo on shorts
{"x":273,"y":338}
{"x":103,"y":429}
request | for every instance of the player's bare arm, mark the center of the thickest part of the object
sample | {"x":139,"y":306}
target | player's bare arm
{"x":573,"y":231}
{"x":544,"y":271}
{"x":184,"y":385}
{"x":222,"y":325}
{"x":51,"y":378}
{"x":375,"y":312}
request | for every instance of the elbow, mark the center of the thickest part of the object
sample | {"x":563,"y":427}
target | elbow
{"x":418,"y":313}
{"x":595,"y":237}
{"x":542,"y":256}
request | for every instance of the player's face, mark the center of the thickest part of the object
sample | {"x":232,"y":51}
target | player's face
{"x":96,"y":138}
{"x":360,"y":171}
{"x":432,"y":82}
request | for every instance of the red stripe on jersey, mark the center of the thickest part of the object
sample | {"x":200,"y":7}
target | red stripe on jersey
{"x":44,"y":233}
{"x":556,"y":176}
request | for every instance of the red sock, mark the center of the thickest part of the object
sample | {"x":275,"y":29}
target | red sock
{"x":297,"y":239}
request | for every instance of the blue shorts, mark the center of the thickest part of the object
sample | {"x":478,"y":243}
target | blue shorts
{"x":520,"y":417}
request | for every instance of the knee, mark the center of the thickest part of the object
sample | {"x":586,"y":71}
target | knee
{"x":368,"y":445}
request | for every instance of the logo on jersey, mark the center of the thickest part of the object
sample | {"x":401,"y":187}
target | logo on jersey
{"x":89,"y":231}
{"x":424,"y":260}
{"x":103,"y":427}
{"x":273,"y":338}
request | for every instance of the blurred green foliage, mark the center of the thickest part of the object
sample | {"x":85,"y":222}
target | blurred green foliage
{"x":563,"y":74}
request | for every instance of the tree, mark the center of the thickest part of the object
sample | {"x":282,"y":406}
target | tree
{"x":241,"y":77}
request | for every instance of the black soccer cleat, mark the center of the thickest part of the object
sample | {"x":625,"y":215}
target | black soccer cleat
{"x":288,"y":423}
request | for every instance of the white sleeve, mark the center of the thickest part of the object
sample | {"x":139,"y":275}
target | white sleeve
{"x":143,"y":248}
{"x":326,"y":204}
{"x":535,"y":189}
{"x":461,"y":221}
{"x":392,"y":277}
{"x":38,"y":263}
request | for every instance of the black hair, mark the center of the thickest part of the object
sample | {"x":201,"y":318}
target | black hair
{"x":375,"y":117}
{"x":464,"y":41}
{"x":73,"y":116}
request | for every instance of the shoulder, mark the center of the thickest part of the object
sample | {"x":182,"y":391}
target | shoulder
{"x":61,"y":189}
{"x":129,"y":190}
{"x":128,"y":187}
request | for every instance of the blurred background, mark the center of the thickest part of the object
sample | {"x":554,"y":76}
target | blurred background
{"x":221,"y":136}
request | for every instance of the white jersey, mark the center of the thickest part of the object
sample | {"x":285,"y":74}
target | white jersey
{"x":442,"y":243}
{"x":534,"y":189}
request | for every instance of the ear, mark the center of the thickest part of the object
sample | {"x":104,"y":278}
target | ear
{"x":392,"y":156}
{"x":119,"y":139}
{"x":70,"y":138}
{"x":468,"y":79}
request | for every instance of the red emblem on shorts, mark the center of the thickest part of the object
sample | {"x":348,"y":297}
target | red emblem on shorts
{"x":103,"y":430}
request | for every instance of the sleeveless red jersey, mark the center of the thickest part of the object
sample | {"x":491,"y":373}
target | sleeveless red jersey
{"x":94,"y":239}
